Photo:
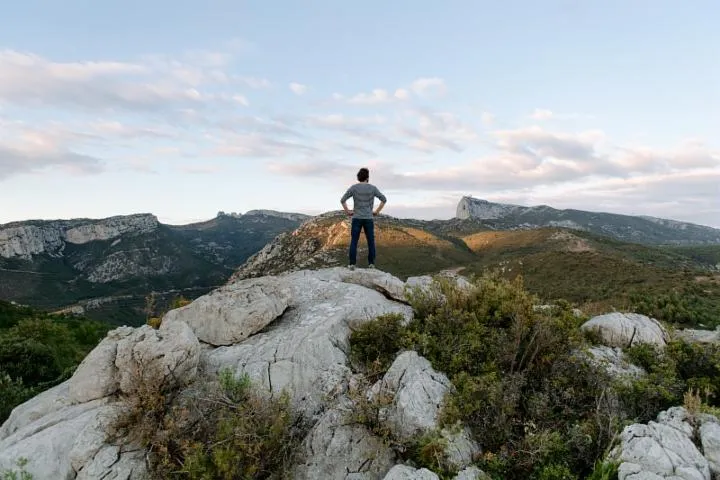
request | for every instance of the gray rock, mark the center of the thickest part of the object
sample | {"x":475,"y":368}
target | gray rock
{"x":614,"y":362}
{"x":662,"y":449}
{"x":710,"y":439}
{"x":627,"y":329}
{"x":306,"y":351}
{"x":96,"y":377}
{"x":159,"y":359}
{"x":338,"y":449}
{"x":460,"y":447}
{"x":472,"y":473}
{"x":384,"y":283}
{"x":234,"y":312}
{"x":403,"y":472}
{"x":417,"y":393}
{"x":699,"y":336}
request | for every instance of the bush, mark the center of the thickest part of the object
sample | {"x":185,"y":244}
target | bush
{"x":17,"y":475}
{"x":538,"y":409}
{"x":224,"y":430}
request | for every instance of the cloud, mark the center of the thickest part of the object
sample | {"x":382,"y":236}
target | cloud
{"x":16,"y":160}
{"x":534,"y":166}
{"x":420,"y":87}
{"x":487,"y":118}
{"x":298,"y":88}
{"x":542,"y":114}
{"x":425,"y":86}
{"x":151,"y":84}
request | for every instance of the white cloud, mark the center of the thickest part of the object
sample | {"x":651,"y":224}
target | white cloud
{"x":298,"y":88}
{"x":425,"y":86}
{"x":487,"y":118}
{"x":542,"y":114}
{"x":37,"y":154}
{"x":402,"y":94}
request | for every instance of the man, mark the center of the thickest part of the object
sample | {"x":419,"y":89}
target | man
{"x":363,"y":194}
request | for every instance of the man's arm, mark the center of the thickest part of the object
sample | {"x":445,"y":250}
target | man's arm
{"x":383,"y":200}
{"x":344,"y":199}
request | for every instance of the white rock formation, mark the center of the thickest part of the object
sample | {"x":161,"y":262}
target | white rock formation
{"x":661,"y":449}
{"x":414,"y":393}
{"x":417,"y":392}
{"x":25,"y":239}
{"x":710,"y":440}
{"x":614,"y":362}
{"x":234,"y":312}
{"x":62,"y":431}
{"x":339,"y":449}
{"x":403,"y":472}
{"x":627,"y":329}
{"x":472,"y":473}
{"x":306,"y":352}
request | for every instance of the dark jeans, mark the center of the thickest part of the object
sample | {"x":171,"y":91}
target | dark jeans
{"x":369,"y":226}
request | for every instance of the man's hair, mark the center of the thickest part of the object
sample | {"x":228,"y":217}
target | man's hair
{"x":363,"y":175}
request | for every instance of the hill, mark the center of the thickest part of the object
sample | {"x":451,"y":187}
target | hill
{"x":405,"y":248}
{"x":597,"y":273}
{"x":638,"y":229}
{"x":106,"y":268}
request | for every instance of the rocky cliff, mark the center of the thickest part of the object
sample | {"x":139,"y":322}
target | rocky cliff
{"x":115,"y":263}
{"x":26,"y":239}
{"x":647,"y":230}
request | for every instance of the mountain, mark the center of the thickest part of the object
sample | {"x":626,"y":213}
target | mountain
{"x":106,"y":268}
{"x":647,"y":230}
{"x":405,"y":247}
{"x":593,"y":271}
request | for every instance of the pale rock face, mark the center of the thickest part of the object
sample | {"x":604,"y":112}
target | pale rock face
{"x":26,"y":240}
{"x":662,"y":449}
{"x":128,"y":264}
{"x":710,"y":439}
{"x":97,"y":377}
{"x":472,"y":473}
{"x":167,"y":358}
{"x":403,"y":472}
{"x":384,"y":283}
{"x":417,"y":391}
{"x":110,"y":228}
{"x":461,"y":448}
{"x":614,"y":362}
{"x":338,"y":449}
{"x":699,"y":336}
{"x":627,"y":329}
{"x":234,"y":312}
{"x":306,"y":352}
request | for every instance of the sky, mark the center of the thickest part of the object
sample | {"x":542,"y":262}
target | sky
{"x":186,"y":108}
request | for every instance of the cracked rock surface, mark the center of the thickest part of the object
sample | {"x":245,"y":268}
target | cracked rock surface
{"x":627,"y":329}
{"x":297,"y":341}
{"x":663,"y":449}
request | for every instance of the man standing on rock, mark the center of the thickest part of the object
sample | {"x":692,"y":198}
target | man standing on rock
{"x":363,"y":194}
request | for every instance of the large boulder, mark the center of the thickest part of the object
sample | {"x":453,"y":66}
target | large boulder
{"x":417,"y":392}
{"x":307,"y":352}
{"x":710,"y":441}
{"x":414,"y":393}
{"x":661,"y":449}
{"x":404,"y":472}
{"x":234,"y":312}
{"x":339,"y":449}
{"x":627,"y":329}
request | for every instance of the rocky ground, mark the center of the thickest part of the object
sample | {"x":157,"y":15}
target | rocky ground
{"x":290,"y":332}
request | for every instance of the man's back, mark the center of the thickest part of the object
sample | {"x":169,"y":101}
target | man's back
{"x":363,"y":199}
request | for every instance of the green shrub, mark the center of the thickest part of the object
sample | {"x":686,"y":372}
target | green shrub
{"x":12,"y":393}
{"x":222,"y":430}
{"x":373,"y":345}
{"x":604,"y":471}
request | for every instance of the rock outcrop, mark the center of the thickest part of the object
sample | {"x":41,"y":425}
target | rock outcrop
{"x":666,"y":448}
{"x":627,"y":329}
{"x":26,"y":239}
{"x":287,"y":333}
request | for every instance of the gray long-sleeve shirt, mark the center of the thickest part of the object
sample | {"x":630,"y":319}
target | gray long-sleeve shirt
{"x":363,"y":195}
